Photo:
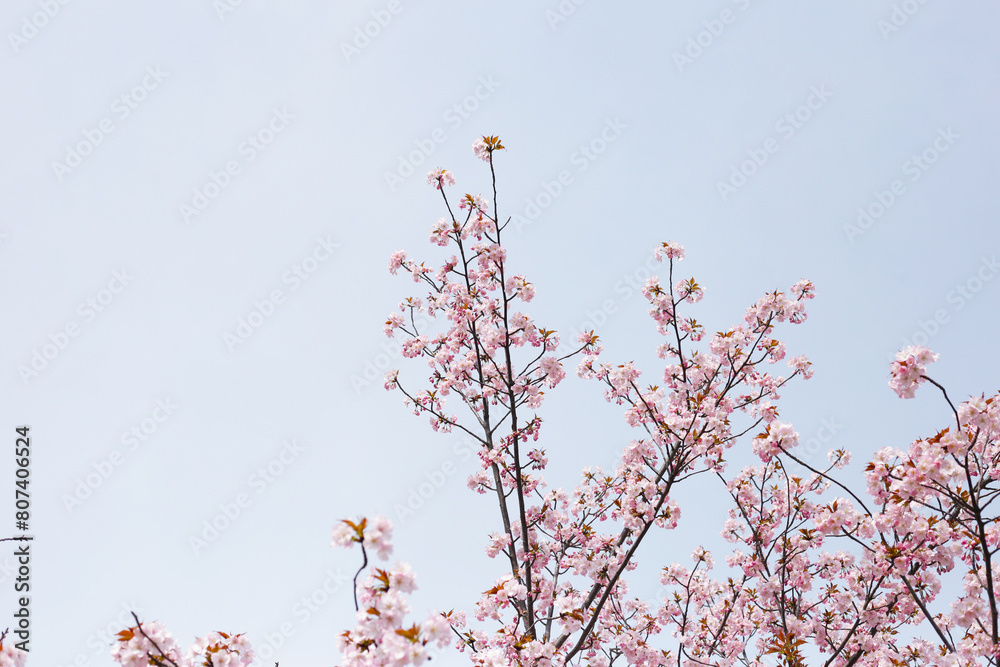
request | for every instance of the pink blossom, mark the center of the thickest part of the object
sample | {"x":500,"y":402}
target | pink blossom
{"x":802,"y":365}
{"x":474,"y":204}
{"x":397,"y":260}
{"x":10,"y":655}
{"x":345,"y":534}
{"x":670,"y":250}
{"x":219,"y":649}
{"x":393,"y":322}
{"x":441,"y":230}
{"x":551,"y":370}
{"x":391,"y":380}
{"x":134,"y":645}
{"x":437,"y":177}
{"x":374,"y":534}
{"x":480,"y":149}
{"x":414,"y":347}
{"x":377,"y":536}
{"x":804,"y":289}
{"x":521,"y":287}
{"x":909,"y":368}
{"x":689,"y":290}
{"x":776,"y":438}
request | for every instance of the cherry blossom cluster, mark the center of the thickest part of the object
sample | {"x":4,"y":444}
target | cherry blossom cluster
{"x":151,"y":643}
{"x":937,"y":501}
{"x":10,"y":655}
{"x":909,"y":368}
{"x":786,"y":592}
{"x":380,"y":638}
{"x":376,"y":534}
{"x":440,"y":177}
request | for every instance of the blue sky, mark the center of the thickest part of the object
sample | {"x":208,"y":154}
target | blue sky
{"x":172,"y":170}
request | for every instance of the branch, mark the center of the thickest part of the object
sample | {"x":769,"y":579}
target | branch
{"x":163,"y":655}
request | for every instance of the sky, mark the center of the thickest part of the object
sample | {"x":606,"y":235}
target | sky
{"x":199,"y":204}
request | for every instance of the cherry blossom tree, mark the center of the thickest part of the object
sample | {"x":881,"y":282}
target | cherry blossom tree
{"x":816,"y":573}
{"x":566,"y":598}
